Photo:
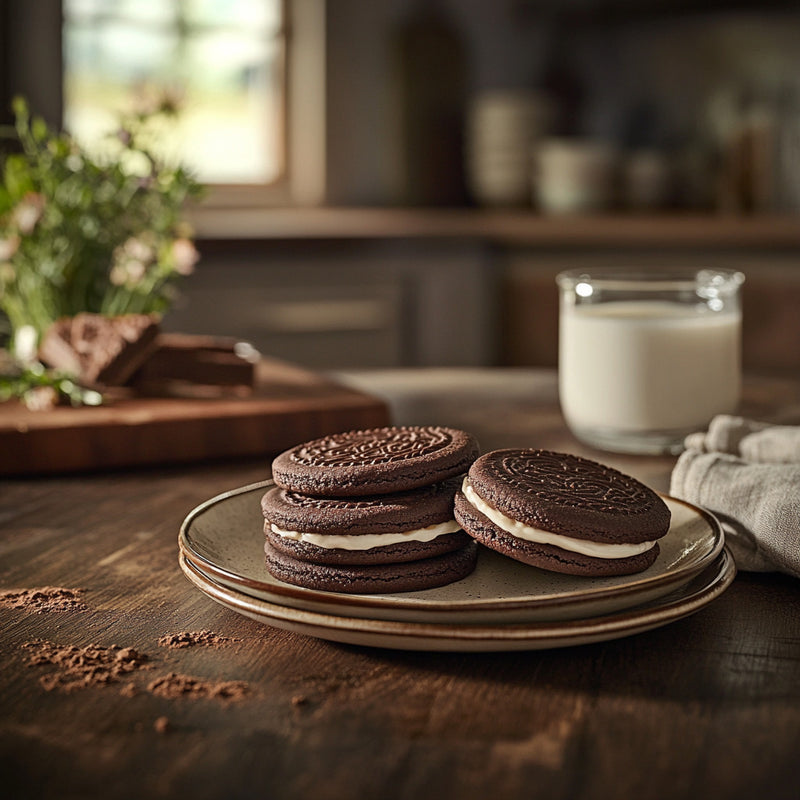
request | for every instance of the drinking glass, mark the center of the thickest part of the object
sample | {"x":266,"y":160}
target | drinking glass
{"x":647,"y":357}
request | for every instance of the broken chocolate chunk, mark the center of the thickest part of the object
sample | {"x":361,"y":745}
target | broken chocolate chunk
{"x":98,"y":349}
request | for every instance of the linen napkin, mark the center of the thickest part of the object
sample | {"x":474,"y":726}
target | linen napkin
{"x":747,"y":473}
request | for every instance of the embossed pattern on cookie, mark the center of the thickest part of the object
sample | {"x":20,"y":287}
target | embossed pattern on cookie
{"x":571,"y":481}
{"x":297,"y":500}
{"x":365,"y":447}
{"x":569,"y":494}
{"x":375,"y":461}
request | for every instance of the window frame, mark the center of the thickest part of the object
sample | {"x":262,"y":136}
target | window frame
{"x":303,"y":180}
{"x":34,"y":68}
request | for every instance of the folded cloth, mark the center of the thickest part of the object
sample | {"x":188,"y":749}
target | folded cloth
{"x":750,"y":439}
{"x":747,"y":473}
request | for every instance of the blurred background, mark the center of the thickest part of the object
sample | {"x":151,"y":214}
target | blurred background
{"x":397,"y":182}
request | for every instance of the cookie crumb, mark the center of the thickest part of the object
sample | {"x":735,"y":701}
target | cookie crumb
{"x":173,"y":685}
{"x":182,"y":639}
{"x":43,"y":599}
{"x":162,"y":725}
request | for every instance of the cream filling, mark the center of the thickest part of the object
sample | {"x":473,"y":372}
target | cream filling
{"x":366,"y":541}
{"x":531,"y":534}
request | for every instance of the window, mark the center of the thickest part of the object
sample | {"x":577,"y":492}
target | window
{"x":224,"y":61}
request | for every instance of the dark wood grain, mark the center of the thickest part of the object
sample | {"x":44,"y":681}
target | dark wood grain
{"x":707,"y":707}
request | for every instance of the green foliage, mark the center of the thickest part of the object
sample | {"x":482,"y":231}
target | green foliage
{"x":40,"y":388}
{"x":84,"y":233}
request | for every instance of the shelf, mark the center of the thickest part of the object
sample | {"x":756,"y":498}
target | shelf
{"x":522,"y":228}
{"x":628,"y":12}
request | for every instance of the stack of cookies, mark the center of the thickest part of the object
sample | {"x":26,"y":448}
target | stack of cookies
{"x":370,"y":511}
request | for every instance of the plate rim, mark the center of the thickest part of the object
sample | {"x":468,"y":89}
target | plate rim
{"x":366,"y":601}
{"x":499,"y":636}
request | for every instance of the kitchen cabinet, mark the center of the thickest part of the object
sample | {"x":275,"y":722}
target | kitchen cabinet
{"x":356,"y":302}
{"x":365,"y":287}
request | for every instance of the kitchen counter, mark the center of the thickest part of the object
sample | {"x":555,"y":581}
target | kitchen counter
{"x":190,"y":699}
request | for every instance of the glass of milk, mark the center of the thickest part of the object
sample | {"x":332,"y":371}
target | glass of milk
{"x":646,"y":358}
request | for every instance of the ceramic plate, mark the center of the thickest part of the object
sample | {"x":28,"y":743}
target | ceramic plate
{"x":223,"y":538}
{"x":704,"y":587}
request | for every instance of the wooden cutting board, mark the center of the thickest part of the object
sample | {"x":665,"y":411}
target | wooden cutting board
{"x":287,"y":406}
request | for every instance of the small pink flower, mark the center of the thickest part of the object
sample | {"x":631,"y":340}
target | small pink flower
{"x":135,"y":270}
{"x":127,"y":272}
{"x":130,"y":262}
{"x":118,"y":276}
{"x":28,"y":212}
{"x":8,"y":247}
{"x":138,"y":250}
{"x":185,"y":256}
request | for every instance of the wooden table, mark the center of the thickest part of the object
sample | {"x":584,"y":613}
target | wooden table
{"x":706,"y":707}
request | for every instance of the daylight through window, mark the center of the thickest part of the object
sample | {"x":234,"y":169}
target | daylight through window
{"x":223,"y":60}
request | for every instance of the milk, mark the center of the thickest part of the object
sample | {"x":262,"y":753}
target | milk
{"x":647,"y":365}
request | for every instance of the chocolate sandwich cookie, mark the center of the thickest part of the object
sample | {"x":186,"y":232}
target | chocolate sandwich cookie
{"x":561,"y":512}
{"x":410,"y":576}
{"x":376,"y":461}
{"x":404,"y":526}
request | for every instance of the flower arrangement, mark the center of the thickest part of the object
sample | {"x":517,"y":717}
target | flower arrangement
{"x":80,"y":233}
{"x":83,"y":233}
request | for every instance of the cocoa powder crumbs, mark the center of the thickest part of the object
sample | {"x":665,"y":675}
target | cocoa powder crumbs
{"x":80,"y":667}
{"x":176,"y":641}
{"x":44,"y":599}
{"x":299,"y":700}
{"x":161,"y":725}
{"x":173,"y":685}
